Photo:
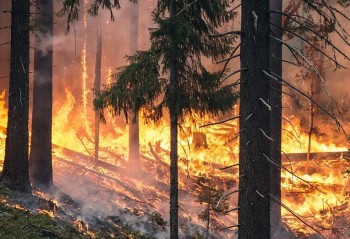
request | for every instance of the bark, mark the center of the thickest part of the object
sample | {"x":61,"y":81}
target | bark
{"x":174,"y":117}
{"x":41,"y":144}
{"x":253,"y":199}
{"x":15,"y":172}
{"x":276,"y":112}
{"x":134,"y":135}
{"x":97,"y":86}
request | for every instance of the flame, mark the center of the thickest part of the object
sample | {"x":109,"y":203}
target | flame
{"x":3,"y":125}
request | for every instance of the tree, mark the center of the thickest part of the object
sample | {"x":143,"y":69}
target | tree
{"x":294,"y":26}
{"x":40,"y":161}
{"x":70,"y":8}
{"x":216,"y":205}
{"x":15,"y":171}
{"x":97,"y":87}
{"x":255,"y":143}
{"x":134,"y":129}
{"x":276,"y":114}
{"x":177,"y":48}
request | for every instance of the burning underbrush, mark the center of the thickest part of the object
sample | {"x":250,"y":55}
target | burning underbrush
{"x":113,"y":193}
{"x":139,"y":195}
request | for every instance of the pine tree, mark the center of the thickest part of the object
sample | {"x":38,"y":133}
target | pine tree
{"x":177,"y":47}
{"x":134,"y":129}
{"x":276,"y":114}
{"x":40,"y":161}
{"x":15,"y":172}
{"x":97,"y":87}
{"x":210,"y":195}
{"x":253,"y":199}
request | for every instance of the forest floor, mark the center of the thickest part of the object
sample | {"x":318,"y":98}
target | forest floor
{"x":33,"y":216}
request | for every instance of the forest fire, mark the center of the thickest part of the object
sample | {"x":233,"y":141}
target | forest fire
{"x":107,"y":188}
{"x":319,"y":196}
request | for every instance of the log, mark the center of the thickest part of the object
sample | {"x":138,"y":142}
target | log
{"x":299,"y":157}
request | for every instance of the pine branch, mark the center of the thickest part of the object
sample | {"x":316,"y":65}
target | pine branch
{"x":226,"y":195}
{"x":228,"y":59}
{"x":339,"y":125}
{"x":312,"y":45}
{"x":231,"y":166}
{"x":313,"y":69}
{"x":296,"y":132}
{"x":239,"y":5}
{"x":186,"y":7}
{"x":233,"y":73}
{"x":235,"y":32}
{"x":294,"y":214}
{"x":220,"y":122}
{"x":300,"y":178}
{"x":314,"y":32}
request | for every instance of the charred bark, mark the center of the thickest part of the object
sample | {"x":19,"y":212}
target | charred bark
{"x":15,"y":172}
{"x":41,"y":140}
{"x":134,"y":129}
{"x":97,"y":86}
{"x":276,"y":112}
{"x":253,"y":200}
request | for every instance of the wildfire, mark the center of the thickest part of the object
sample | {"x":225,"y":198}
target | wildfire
{"x":202,"y":151}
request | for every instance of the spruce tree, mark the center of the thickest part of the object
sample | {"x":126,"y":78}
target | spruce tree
{"x":15,"y":172}
{"x":254,"y":170}
{"x":177,"y":46}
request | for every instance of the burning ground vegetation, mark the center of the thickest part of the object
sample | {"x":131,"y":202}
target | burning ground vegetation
{"x":114,"y":198}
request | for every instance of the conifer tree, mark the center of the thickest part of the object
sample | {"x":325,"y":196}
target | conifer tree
{"x":177,"y":48}
{"x":15,"y":172}
{"x":40,"y":161}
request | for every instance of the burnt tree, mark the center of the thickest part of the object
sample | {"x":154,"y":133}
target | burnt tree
{"x":40,"y":161}
{"x":255,"y":142}
{"x":15,"y":172}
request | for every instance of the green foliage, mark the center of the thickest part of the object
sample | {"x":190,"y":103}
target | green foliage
{"x":21,"y":224}
{"x":70,"y":8}
{"x":138,"y":85}
{"x":209,"y":194}
{"x":182,"y":40}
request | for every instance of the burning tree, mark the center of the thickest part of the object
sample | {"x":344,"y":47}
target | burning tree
{"x":177,"y":48}
{"x":15,"y":171}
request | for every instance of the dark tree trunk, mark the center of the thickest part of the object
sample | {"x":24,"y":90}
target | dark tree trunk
{"x":276,"y":113}
{"x":15,"y":172}
{"x":41,"y":143}
{"x":174,"y":118}
{"x":97,"y":86}
{"x":254,"y":203}
{"x":134,"y":137}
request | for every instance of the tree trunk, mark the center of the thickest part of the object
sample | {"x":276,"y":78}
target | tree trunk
{"x":174,"y":118}
{"x":276,"y":113}
{"x":41,"y":144}
{"x":134,"y":137}
{"x":97,"y":86}
{"x":15,"y":172}
{"x":253,"y":199}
